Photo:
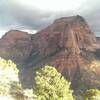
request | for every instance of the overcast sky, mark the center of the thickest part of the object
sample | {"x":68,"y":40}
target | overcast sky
{"x":34,"y":15}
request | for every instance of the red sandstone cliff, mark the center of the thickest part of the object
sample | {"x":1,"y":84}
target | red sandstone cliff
{"x":67,"y":44}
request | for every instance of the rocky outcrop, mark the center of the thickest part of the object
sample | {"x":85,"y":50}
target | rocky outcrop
{"x":67,"y":44}
{"x":63,"y":45}
{"x":15,"y":45}
{"x":62,"y":34}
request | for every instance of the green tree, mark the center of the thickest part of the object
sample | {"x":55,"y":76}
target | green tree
{"x":50,"y":85}
{"x":92,"y":94}
{"x":8,"y":74}
{"x":10,"y":86}
{"x":9,"y":81}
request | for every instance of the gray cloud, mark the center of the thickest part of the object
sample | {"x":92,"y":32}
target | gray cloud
{"x":91,"y":11}
{"x":14,"y":15}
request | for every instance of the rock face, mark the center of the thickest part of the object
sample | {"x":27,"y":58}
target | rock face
{"x":67,"y":44}
{"x":15,"y":45}
{"x":61,"y":44}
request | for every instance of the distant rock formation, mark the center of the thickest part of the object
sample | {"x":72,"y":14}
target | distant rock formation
{"x":68,"y":44}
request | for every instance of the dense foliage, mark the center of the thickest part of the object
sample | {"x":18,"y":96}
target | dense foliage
{"x":10,"y":87}
{"x":50,"y":85}
{"x":92,"y":94}
{"x":8,"y":74}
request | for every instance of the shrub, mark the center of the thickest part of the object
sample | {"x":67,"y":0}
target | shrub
{"x":50,"y":85}
{"x":9,"y":83}
{"x":92,"y":94}
{"x":10,"y":87}
{"x":8,"y":74}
